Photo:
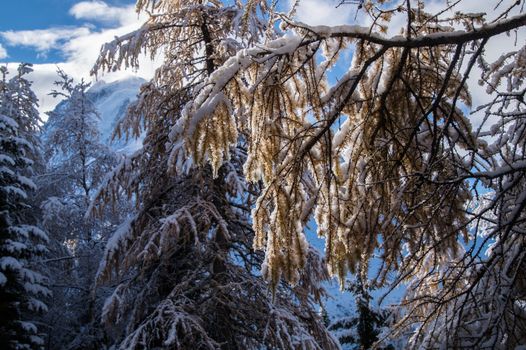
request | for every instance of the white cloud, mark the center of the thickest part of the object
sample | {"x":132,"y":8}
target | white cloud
{"x":99,"y":11}
{"x":318,"y":12}
{"x":79,"y":46}
{"x":3,"y":52}
{"x":495,"y":47}
{"x":42,"y":40}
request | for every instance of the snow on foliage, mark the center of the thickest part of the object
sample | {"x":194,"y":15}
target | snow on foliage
{"x":185,"y":264}
{"x":20,"y":286}
{"x":77,"y":161}
{"x":395,"y":182}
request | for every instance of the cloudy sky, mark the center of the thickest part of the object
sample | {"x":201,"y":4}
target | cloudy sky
{"x":66,"y":34}
{"x":69,"y":33}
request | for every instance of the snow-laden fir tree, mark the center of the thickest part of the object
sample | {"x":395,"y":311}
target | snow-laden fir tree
{"x":73,"y":142}
{"x":380,"y":159}
{"x":77,"y":162}
{"x":22,"y":288}
{"x":364,"y":327}
{"x":186,"y":272}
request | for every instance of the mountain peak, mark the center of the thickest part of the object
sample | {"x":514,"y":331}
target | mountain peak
{"x":111,"y":101}
{"x":125,"y":83}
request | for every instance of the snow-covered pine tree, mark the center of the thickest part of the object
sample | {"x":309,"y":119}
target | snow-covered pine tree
{"x":186,"y":272}
{"x":77,"y":162}
{"x":73,"y":142}
{"x":21,"y":242}
{"x":380,"y":159}
{"x":363,"y":328}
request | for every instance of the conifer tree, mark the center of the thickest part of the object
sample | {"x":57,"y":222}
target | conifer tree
{"x":77,"y":162}
{"x":363,"y":329}
{"x":21,"y":242}
{"x":185,"y":265}
{"x":381,"y":159}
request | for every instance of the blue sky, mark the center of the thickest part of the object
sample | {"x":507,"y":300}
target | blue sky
{"x":18,"y":15}
{"x":69,"y":33}
{"x":43,"y":15}
{"x":66,"y":34}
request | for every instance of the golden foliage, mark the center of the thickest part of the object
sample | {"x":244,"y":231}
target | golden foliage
{"x":378,"y":159}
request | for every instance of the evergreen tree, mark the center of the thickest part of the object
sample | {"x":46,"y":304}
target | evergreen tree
{"x":186,"y":271}
{"x":77,"y":162}
{"x":21,"y":286}
{"x":362,"y":330}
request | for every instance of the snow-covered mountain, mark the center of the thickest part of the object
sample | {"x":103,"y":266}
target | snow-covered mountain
{"x":111,"y":101}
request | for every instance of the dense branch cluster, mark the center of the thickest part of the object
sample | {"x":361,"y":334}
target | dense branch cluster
{"x":187,"y":274}
{"x":386,"y":161}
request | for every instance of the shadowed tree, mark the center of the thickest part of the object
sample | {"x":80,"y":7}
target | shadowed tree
{"x":186,"y":273}
{"x":22,"y":287}
{"x":77,"y":162}
{"x":385,"y":160}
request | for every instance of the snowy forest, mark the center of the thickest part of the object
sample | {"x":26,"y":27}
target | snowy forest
{"x":275,"y":185}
